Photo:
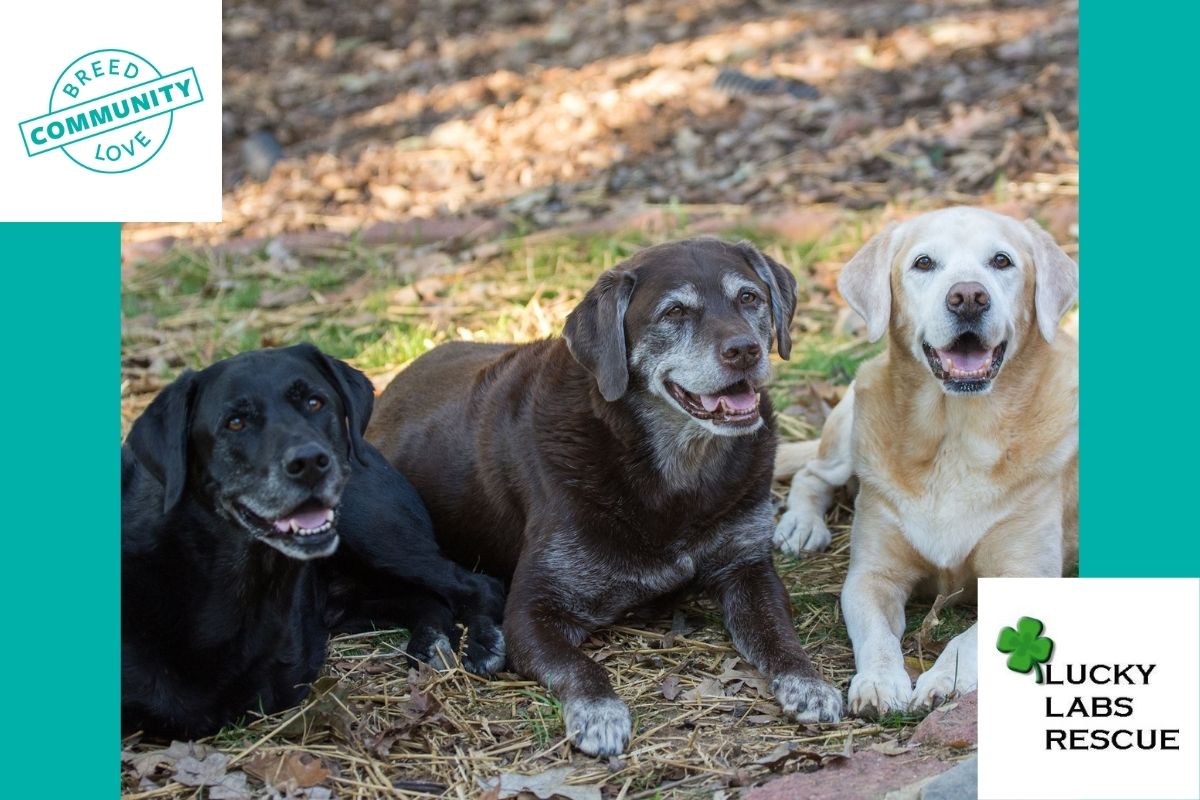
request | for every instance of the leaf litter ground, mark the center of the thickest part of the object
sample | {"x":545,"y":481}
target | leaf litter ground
{"x":376,"y":725}
{"x":464,"y":170}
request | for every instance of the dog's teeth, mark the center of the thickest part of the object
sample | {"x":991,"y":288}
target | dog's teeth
{"x":313,"y":531}
{"x":949,"y":364}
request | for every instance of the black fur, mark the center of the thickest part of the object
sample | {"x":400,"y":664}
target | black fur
{"x":217,"y":619}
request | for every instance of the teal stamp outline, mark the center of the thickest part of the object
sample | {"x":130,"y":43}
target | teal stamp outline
{"x":133,"y":104}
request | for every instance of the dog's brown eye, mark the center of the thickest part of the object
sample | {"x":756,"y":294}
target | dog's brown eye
{"x":1001,"y":261}
{"x":923,"y":263}
{"x":747,"y":297}
{"x":675,"y":312}
{"x":314,"y":404}
{"x":235,"y":423}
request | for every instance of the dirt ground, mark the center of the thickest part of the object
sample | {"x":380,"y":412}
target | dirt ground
{"x":539,"y":114}
{"x":462,"y":170}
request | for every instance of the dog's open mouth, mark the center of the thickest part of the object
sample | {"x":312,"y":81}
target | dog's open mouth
{"x":736,"y":404}
{"x":310,"y":523}
{"x":967,"y":365}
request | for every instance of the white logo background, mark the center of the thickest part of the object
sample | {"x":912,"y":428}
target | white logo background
{"x":181,"y":183}
{"x":1092,"y":621}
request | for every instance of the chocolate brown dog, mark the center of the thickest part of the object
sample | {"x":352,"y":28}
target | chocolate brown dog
{"x":613,"y":470}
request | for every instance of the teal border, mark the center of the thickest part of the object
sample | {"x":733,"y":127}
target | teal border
{"x":62,"y":298}
{"x":1140,"y":269}
{"x":61,"y":560}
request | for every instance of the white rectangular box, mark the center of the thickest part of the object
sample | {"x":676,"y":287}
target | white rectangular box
{"x":93,"y":130}
{"x":1139,"y":639}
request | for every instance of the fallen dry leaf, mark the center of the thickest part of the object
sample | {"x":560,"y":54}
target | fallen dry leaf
{"x":778,"y":758}
{"x":325,"y":708}
{"x":681,"y":626}
{"x":147,"y":763}
{"x":207,"y":771}
{"x":761,"y":719}
{"x":232,"y":787}
{"x":915,"y":665}
{"x":544,"y":786}
{"x":288,"y":770}
{"x":889,"y":748}
{"x":422,"y":709}
{"x":924,"y":634}
{"x":730,"y":673}
{"x":709,"y":687}
{"x":603,"y":654}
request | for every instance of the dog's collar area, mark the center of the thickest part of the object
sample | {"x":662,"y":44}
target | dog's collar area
{"x":967,"y":365}
{"x":735,"y":405}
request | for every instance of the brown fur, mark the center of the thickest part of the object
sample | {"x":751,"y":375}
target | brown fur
{"x":593,"y":507}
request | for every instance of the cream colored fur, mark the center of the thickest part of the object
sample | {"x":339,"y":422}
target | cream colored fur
{"x":952,"y":487}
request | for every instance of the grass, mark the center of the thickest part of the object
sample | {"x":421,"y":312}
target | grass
{"x":382,"y":307}
{"x":544,"y":714}
{"x":189,"y":309}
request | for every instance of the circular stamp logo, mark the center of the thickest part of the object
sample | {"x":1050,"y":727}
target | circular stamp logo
{"x":111,"y":111}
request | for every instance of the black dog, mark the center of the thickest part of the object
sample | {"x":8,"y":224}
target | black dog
{"x":254,"y":521}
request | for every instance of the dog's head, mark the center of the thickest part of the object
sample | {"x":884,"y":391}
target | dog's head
{"x":961,"y":289}
{"x":687,"y":326}
{"x":264,"y":439}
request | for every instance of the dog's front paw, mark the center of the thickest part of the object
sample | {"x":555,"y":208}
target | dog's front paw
{"x":873,"y":694}
{"x":935,"y":685}
{"x":801,"y":529}
{"x":434,"y":648}
{"x":598,"y":727}
{"x":807,"y":699}
{"x":486,"y":652}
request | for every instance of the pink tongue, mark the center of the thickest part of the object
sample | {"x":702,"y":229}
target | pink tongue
{"x":735,"y":402}
{"x":307,"y":520}
{"x":965,"y":362}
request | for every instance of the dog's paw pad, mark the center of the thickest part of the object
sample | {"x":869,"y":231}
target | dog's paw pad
{"x":935,"y":685}
{"x":598,"y":727}
{"x":807,"y":699}
{"x":486,"y":651}
{"x":872,"y":695}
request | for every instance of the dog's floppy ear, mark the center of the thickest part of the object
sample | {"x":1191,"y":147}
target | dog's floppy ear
{"x":1056,"y":281}
{"x":866,"y":282}
{"x":356,"y":393}
{"x":159,"y":437}
{"x":782,"y":285}
{"x":595,"y":332}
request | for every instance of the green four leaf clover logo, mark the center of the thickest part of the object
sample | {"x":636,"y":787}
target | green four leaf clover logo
{"x":1028,"y":648}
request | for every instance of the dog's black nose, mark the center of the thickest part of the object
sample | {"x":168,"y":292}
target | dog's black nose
{"x":967,"y":300}
{"x":306,"y":463}
{"x":740,"y":352}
